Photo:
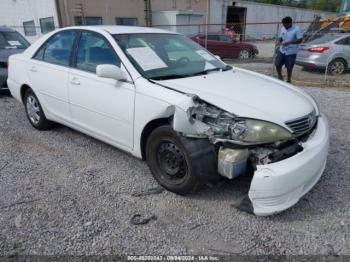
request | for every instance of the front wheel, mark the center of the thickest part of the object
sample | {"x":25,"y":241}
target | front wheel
{"x":179,"y":164}
{"x":34,"y":111}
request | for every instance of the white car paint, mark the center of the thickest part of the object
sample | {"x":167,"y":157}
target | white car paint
{"x":130,"y":105}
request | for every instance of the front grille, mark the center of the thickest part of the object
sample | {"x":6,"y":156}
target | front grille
{"x":303,"y":124}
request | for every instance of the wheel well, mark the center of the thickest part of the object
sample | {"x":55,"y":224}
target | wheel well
{"x":24,"y":89}
{"x":340,"y":58}
{"x":148,"y":130}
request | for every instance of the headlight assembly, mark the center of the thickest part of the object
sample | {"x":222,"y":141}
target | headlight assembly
{"x":257,"y":131}
{"x":223,"y":125}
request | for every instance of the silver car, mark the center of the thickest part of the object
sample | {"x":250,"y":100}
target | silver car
{"x":331,"y":52}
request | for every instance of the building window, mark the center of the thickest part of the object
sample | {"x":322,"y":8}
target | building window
{"x":29,"y":28}
{"x":126,"y":21}
{"x":88,"y":20}
{"x":47,"y":24}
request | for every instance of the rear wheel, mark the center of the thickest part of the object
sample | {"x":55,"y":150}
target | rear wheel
{"x":179,"y":164}
{"x":34,"y":111}
{"x":244,"y":54}
{"x":337,"y":67}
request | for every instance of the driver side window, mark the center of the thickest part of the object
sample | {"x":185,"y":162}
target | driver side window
{"x":94,"y":50}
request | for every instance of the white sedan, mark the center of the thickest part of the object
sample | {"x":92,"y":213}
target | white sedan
{"x":163,"y":98}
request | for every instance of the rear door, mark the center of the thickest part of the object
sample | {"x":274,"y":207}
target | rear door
{"x":213,"y":43}
{"x":48,"y":71}
{"x":101,"y":106}
{"x":228,"y":47}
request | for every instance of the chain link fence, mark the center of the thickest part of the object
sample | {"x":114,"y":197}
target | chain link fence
{"x":253,"y":46}
{"x":318,"y":63}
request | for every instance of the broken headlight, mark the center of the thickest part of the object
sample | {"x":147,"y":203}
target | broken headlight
{"x":257,"y":131}
{"x":222,"y":124}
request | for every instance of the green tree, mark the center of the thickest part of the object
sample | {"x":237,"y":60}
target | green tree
{"x":325,"y":5}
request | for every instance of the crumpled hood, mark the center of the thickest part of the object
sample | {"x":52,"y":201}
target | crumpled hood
{"x":247,"y":94}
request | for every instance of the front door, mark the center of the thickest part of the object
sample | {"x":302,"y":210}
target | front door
{"x":103,"y":107}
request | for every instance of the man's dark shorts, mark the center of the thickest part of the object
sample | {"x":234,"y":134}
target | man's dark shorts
{"x":285,"y":60}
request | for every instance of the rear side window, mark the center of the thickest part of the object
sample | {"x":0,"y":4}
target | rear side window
{"x":344,"y":41}
{"x":225,"y":38}
{"x":94,"y":50}
{"x":210,"y":37}
{"x":12,"y":40}
{"x":58,"y":49}
{"x":323,"y":39}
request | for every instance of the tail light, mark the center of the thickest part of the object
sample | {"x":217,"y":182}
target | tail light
{"x":318,"y":50}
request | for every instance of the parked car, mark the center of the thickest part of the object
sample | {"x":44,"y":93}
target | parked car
{"x":225,"y":46}
{"x":331,"y":52}
{"x":11,"y":42}
{"x":163,"y":98}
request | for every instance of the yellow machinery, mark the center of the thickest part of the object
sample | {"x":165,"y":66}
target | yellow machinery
{"x":340,"y":24}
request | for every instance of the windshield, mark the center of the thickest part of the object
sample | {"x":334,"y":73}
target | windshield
{"x":167,"y":56}
{"x":324,"y":39}
{"x":12,"y":40}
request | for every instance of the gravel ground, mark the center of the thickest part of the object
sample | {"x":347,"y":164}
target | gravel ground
{"x":64,"y":193}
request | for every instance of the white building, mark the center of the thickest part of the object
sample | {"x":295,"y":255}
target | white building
{"x":250,"y":13}
{"x":30,"y":18}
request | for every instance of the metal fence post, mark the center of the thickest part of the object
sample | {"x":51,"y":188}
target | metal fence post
{"x":275,"y":51}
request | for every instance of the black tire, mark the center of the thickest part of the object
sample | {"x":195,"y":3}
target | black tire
{"x":180,"y":164}
{"x":245,"y":54}
{"x":337,"y":67}
{"x":34,"y":111}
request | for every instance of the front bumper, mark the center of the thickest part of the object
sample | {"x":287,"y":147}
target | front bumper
{"x":278,"y":186}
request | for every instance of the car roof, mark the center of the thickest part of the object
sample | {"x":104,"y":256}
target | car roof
{"x":121,"y":29}
{"x":6,"y":29}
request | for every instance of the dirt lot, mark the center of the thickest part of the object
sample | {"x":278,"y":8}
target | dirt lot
{"x":64,"y":193}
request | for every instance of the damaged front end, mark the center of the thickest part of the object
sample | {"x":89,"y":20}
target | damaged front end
{"x":242,"y":144}
{"x":239,"y":141}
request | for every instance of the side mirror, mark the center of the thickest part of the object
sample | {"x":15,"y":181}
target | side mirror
{"x":110,"y":71}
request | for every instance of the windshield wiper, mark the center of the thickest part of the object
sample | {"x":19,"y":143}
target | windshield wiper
{"x":228,"y":67}
{"x":168,"y":77}
{"x":204,"y":72}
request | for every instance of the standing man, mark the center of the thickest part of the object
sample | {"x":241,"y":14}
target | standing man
{"x":289,"y":40}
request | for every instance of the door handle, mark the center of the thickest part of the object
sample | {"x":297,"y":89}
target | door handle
{"x":33,"y":69}
{"x":74,"y":81}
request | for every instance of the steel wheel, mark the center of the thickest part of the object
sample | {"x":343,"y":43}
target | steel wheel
{"x":337,"y":67}
{"x":172,"y":162}
{"x":33,"y":109}
{"x":244,"y":54}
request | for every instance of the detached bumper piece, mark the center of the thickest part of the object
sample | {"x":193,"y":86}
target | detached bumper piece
{"x":278,"y":186}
